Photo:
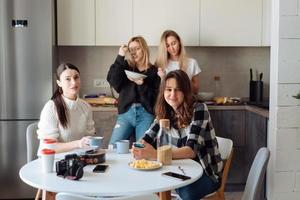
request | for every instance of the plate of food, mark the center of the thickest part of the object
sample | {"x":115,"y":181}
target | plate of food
{"x":134,"y":75}
{"x":145,"y":165}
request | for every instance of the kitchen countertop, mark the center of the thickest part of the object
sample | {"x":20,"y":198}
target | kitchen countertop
{"x":261,"y":111}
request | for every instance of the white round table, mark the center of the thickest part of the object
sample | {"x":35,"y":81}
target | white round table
{"x":118,"y":180}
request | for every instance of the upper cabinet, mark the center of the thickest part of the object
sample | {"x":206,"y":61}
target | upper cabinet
{"x":151,"y":18}
{"x":231,"y":23}
{"x":113,"y":22}
{"x":198,"y":22}
{"x":76,"y":22}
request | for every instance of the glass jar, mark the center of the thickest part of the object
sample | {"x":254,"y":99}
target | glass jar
{"x":164,"y":142}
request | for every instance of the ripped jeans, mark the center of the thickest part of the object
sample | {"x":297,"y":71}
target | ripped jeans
{"x":136,"y":120}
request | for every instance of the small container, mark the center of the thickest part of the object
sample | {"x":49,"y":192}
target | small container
{"x":256,"y":91}
{"x":47,"y":156}
{"x":164,"y":143}
{"x":49,"y":143}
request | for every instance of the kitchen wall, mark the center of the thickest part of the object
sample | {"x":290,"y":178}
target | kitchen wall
{"x":231,"y":64}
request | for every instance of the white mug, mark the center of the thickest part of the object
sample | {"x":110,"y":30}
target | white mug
{"x":47,"y":160}
{"x":122,"y":146}
{"x":96,"y":141}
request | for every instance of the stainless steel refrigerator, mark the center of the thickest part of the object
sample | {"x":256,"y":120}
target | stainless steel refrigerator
{"x":26,"y":60}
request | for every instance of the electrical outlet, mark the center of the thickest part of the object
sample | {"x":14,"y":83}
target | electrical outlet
{"x":100,"y":83}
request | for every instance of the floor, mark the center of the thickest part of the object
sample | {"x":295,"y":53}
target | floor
{"x":233,"y":195}
{"x":228,"y":196}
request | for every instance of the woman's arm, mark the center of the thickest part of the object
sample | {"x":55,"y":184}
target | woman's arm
{"x":183,"y":153}
{"x":116,"y":75}
{"x":195,"y":82}
{"x":68,"y":146}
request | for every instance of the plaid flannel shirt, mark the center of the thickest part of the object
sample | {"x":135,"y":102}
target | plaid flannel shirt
{"x":200,"y":136}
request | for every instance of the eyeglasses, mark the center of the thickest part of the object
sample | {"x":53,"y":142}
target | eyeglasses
{"x":134,"y":49}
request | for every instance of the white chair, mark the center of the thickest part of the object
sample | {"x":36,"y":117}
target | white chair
{"x":32,"y":145}
{"x":226,"y":151}
{"x":256,"y":175}
{"x":69,"y":196}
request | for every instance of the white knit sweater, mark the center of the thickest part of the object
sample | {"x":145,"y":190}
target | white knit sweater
{"x":80,"y":119}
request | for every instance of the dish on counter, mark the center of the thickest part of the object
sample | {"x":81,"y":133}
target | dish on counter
{"x":206,"y":96}
{"x":145,"y":165}
{"x":134,"y":75}
{"x":227,"y":100}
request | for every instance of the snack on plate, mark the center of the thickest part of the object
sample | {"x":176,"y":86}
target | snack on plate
{"x":220,"y":100}
{"x":144,"y":164}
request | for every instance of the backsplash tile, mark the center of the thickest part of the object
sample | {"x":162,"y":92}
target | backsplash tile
{"x":232,"y":64}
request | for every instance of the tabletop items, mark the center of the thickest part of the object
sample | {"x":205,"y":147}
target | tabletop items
{"x":47,"y":160}
{"x":164,"y":145}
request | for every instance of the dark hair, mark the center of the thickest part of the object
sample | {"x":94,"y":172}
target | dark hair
{"x":164,"y":111}
{"x":59,"y":102}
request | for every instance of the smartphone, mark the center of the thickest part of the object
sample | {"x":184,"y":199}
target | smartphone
{"x":138,"y":145}
{"x":100,"y":168}
{"x":176,"y":175}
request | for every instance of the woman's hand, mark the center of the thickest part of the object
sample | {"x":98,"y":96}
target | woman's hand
{"x":148,"y":152}
{"x":137,"y":81}
{"x":161,"y":73}
{"x":123,"y":49}
{"x":83,"y":142}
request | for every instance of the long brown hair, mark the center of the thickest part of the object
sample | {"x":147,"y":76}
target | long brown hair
{"x":59,"y":102}
{"x":183,"y":115}
{"x":145,"y":49}
{"x":163,"y":54}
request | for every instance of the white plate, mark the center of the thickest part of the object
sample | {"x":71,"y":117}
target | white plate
{"x":134,"y":75}
{"x":159,"y":165}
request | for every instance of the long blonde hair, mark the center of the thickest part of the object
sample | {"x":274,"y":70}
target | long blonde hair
{"x":163,"y":54}
{"x":145,"y":49}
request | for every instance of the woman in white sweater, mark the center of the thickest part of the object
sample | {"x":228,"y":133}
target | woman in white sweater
{"x":66,"y":117}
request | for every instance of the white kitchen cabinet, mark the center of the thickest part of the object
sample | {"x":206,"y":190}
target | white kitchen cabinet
{"x":151,"y":18}
{"x":76,"y":22}
{"x":231,"y":22}
{"x":113,"y":22}
{"x":266,"y":20}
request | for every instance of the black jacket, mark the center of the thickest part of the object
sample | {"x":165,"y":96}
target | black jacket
{"x":130,"y":92}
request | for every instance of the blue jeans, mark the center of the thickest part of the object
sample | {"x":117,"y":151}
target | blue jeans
{"x":199,"y":189}
{"x":136,"y":119}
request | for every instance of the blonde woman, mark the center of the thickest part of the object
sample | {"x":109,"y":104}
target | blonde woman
{"x":136,"y":96}
{"x":172,"y":56}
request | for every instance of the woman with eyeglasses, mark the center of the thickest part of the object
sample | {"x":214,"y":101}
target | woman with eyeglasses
{"x":136,"y":96}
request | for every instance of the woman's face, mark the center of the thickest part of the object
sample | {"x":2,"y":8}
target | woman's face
{"x":136,"y":51}
{"x":69,"y":81}
{"x":173,"y":46}
{"x":172,"y":94}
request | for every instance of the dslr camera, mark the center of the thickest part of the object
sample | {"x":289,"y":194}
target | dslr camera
{"x":71,"y":167}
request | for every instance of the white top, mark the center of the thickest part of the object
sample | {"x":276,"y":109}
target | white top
{"x":192,"y":68}
{"x":81,"y":121}
{"x":118,"y":180}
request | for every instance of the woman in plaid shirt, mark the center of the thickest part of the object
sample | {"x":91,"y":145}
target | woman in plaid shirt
{"x":193,"y":135}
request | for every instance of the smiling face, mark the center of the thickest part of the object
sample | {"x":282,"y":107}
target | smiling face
{"x":173,"y":47}
{"x":173,"y":94}
{"x":69,"y":81}
{"x":136,"y":51}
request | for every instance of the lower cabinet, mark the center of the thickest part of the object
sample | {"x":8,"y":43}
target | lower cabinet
{"x":104,"y":124}
{"x":248,"y":131}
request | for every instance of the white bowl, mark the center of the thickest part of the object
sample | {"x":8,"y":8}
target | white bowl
{"x":134,"y":75}
{"x":206,"y":96}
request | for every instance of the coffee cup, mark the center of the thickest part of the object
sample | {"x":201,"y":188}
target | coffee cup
{"x":96,"y":141}
{"x":47,"y":160}
{"x":122,"y":146}
{"x":49,"y":144}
